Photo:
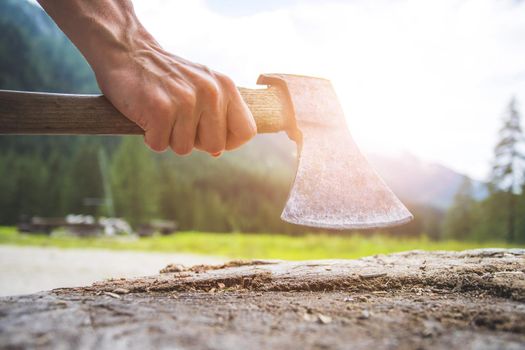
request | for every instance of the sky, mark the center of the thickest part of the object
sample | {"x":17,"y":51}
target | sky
{"x":431,"y":78}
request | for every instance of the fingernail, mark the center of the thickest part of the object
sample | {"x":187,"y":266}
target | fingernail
{"x":216,"y":154}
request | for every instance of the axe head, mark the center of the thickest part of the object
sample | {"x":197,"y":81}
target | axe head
{"x":335,"y":187}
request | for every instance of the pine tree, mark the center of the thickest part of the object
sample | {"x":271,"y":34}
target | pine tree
{"x":135,"y":181}
{"x":520,"y":222}
{"x":509,"y":165}
{"x":84,"y":180}
{"x":459,"y":220}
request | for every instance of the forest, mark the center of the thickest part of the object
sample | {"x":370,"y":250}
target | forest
{"x":502,"y":213}
{"x":243,"y":191}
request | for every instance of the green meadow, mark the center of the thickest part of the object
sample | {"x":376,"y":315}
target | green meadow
{"x":250,"y":246}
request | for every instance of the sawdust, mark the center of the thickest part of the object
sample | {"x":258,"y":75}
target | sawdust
{"x":497,"y":275}
{"x":171,"y":268}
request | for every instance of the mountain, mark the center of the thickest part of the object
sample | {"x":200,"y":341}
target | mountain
{"x":412,"y":179}
{"x":36,"y":56}
{"x":421,"y":182}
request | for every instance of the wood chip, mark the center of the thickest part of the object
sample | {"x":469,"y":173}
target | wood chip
{"x":372,"y":275}
{"x":323,"y":319}
{"x":364,"y":315}
{"x":174,"y":268}
{"x":121,"y":291}
{"x":113,"y":295}
{"x":308,"y":317}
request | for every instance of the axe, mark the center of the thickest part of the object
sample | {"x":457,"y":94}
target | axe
{"x":335,"y":187}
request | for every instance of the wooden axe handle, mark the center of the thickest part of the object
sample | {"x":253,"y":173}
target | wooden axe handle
{"x":59,"y":114}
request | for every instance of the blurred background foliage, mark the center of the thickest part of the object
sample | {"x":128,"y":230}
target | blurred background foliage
{"x":243,"y":191}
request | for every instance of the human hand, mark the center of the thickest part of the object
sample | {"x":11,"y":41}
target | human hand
{"x":179,"y":104}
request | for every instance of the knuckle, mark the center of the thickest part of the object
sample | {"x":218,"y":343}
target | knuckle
{"x":162,"y":106}
{"x":211,"y":90}
{"x":206,"y":69}
{"x":208,"y":89}
{"x":226,"y":82}
{"x":187,"y":99}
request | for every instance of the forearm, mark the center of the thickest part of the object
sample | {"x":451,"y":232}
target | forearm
{"x":178,"y":103}
{"x":103,"y":30}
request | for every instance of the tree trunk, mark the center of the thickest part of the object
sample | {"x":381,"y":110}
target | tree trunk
{"x":512,"y":217}
{"x":414,"y":300}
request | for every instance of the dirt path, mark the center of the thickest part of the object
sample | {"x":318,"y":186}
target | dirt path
{"x":414,"y":300}
{"x":25,"y":270}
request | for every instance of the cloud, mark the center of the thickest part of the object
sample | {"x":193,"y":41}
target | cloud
{"x":428,"y":77}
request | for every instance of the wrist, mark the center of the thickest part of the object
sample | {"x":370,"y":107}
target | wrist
{"x":105,"y":31}
{"x":115,"y":48}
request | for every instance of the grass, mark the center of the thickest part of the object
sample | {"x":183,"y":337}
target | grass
{"x":248,"y":246}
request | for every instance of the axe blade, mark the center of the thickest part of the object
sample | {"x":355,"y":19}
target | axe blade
{"x":335,"y":187}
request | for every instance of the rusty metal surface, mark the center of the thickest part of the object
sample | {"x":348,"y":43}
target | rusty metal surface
{"x":335,"y":186}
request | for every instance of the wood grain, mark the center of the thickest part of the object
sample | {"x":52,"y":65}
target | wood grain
{"x":417,"y":300}
{"x":60,"y":114}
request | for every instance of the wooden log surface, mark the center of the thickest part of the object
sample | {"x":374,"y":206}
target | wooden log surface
{"x":414,"y":300}
{"x":28,"y":113}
